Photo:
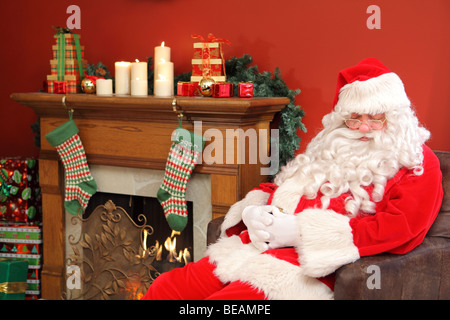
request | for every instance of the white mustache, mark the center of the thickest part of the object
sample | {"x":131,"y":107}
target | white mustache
{"x":352,"y":134}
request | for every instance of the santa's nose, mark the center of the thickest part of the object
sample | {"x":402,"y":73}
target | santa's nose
{"x":364,"y":128}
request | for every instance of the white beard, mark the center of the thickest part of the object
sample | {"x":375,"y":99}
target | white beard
{"x":336,"y":162}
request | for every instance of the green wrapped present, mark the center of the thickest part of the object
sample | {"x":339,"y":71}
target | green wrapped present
{"x":13,"y":278}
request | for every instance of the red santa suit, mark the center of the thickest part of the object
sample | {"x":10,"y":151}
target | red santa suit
{"x":328,"y":238}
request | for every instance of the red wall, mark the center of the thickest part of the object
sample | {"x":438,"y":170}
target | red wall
{"x":309,"y":40}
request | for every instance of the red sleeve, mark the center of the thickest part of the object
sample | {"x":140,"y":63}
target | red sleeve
{"x":410,"y":207}
{"x":268,"y":187}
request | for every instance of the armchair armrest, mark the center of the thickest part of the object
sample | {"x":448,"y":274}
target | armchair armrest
{"x":423,"y":273}
{"x":213,"y":232}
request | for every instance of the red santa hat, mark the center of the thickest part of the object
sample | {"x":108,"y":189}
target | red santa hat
{"x":369,"y":87}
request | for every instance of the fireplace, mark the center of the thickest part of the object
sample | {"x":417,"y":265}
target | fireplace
{"x":125,"y":137}
{"x":158,"y":234}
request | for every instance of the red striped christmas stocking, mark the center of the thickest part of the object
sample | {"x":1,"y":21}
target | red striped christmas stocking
{"x":80,"y":185}
{"x":183,"y":156}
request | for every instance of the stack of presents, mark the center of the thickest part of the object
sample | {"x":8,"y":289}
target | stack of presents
{"x":68,"y":64}
{"x":208,"y":63}
{"x":20,"y":229}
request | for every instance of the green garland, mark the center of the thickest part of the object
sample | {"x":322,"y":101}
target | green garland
{"x":99,"y":70}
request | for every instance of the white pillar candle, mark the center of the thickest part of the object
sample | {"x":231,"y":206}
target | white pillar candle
{"x":139,"y":87}
{"x":163,"y":87}
{"x":165,"y":71}
{"x":104,"y":87}
{"x":139,"y":82}
{"x":139,"y":70}
{"x":122,"y":77}
{"x":161,"y":52}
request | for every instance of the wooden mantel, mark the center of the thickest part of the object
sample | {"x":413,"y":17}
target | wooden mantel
{"x":135,"y":132}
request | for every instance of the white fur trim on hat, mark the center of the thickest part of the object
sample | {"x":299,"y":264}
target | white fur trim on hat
{"x":373,"y":96}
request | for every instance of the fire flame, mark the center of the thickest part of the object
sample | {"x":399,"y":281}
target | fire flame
{"x":134,"y":290}
{"x":134,"y":287}
{"x":170,"y":245}
{"x":162,"y":44}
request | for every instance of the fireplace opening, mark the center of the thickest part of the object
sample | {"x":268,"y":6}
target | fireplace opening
{"x":124,"y":243}
{"x":163,"y":236}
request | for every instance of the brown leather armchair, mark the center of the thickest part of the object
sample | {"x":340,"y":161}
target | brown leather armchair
{"x":423,"y":273}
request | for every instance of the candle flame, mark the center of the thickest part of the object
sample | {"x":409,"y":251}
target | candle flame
{"x":162,"y":44}
{"x":137,"y":60}
{"x":162,"y":60}
{"x":161,"y":76}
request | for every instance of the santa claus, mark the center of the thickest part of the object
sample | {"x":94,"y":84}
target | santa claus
{"x":366,"y":184}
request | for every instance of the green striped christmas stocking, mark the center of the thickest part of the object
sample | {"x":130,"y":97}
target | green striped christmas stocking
{"x":80,"y":185}
{"x":183,"y":156}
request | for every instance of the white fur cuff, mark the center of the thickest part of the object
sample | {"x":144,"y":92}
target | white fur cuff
{"x":326,"y":242}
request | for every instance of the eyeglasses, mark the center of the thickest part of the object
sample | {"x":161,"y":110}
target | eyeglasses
{"x":373,"y":124}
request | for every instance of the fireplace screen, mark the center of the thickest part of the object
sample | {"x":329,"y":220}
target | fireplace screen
{"x":120,"y":252}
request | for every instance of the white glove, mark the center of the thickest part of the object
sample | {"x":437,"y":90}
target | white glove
{"x":257,"y":218}
{"x":283,"y":230}
{"x":268,"y":228}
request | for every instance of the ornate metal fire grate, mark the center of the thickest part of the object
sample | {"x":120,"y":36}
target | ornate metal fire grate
{"x":112,"y":255}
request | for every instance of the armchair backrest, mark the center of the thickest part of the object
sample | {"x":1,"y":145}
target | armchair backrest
{"x":441,"y":226}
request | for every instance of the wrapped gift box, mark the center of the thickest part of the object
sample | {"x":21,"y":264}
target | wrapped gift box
{"x":215,"y":67}
{"x":208,"y":60}
{"x":20,"y":248}
{"x":67,"y":81}
{"x":223,"y":90}
{"x":22,"y":201}
{"x":188,"y":89}
{"x":70,"y":52}
{"x":71,"y":67}
{"x":71,"y":84}
{"x":245,"y":89}
{"x":68,"y":38}
{"x":13,"y":278}
{"x":207,"y":50}
{"x":23,"y":242}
